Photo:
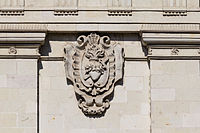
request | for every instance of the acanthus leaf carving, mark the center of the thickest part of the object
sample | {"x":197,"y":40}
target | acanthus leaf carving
{"x":94,"y":65}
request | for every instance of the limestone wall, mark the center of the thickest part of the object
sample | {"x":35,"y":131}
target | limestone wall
{"x":175,"y":96}
{"x":151,"y":46}
{"x":159,"y":92}
{"x":18,"y":92}
{"x":130,"y":104}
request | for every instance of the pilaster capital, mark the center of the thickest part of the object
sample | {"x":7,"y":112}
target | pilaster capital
{"x":171,"y":45}
{"x":21,"y":41}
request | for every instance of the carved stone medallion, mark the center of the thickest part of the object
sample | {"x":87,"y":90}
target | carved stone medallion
{"x":12,"y":50}
{"x":94,"y":65}
{"x":174,"y":51}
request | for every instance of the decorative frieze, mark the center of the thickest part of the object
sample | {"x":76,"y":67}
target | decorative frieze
{"x":94,"y":65}
{"x":173,"y":52}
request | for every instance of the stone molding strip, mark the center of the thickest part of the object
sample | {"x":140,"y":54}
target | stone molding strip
{"x":170,"y":38}
{"x":19,"y":56}
{"x":22,"y":38}
{"x":23,"y":27}
{"x":167,"y":38}
{"x":48,"y":58}
{"x":106,"y":27}
{"x":170,"y":28}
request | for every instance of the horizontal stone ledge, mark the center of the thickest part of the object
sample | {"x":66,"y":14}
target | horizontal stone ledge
{"x":135,"y":59}
{"x":101,"y":8}
{"x":126,"y":59}
{"x":101,"y":26}
{"x":47,"y":58}
{"x":163,"y":27}
{"x":21,"y":40}
{"x":171,"y":41}
{"x":170,"y":38}
{"x":20,"y":34}
{"x":10,"y":39}
{"x":19,"y":56}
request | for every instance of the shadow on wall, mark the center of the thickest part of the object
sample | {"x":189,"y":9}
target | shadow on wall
{"x":46,"y":48}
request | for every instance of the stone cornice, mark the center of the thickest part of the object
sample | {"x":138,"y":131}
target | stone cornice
{"x":21,"y":39}
{"x":163,"y":39}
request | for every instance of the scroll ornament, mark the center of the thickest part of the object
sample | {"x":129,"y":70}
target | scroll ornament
{"x":94,"y":65}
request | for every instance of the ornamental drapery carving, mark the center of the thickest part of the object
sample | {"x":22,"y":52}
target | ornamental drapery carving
{"x":94,"y":65}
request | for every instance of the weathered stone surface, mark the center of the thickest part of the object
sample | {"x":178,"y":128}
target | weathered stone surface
{"x":160,"y":88}
{"x":8,"y":119}
{"x":18,"y":90}
{"x":175,"y":96}
{"x":55,"y":111}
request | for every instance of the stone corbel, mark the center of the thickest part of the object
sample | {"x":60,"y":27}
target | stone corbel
{"x":172,"y":45}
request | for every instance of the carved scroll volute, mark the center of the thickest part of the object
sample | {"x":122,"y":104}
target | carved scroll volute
{"x":94,"y":65}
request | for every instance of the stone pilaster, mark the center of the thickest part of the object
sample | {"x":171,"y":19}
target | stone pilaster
{"x":174,"y":62}
{"x":19,"y":53}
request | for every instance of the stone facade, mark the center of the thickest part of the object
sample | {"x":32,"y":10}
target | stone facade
{"x":132,"y":66}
